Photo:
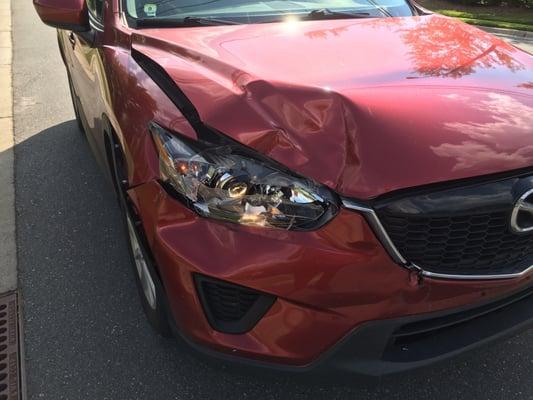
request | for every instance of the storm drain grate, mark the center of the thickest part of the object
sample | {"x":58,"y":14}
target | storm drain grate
{"x":9,"y":348}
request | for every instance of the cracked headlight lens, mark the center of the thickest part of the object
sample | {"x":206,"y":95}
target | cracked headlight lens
{"x":230,"y":183}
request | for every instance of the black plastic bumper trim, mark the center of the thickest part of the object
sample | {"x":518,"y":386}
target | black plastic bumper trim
{"x":250,"y":318}
{"x":397,"y":345}
{"x":369,"y":350}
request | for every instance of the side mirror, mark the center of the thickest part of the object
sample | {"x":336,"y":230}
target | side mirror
{"x":64,"y":14}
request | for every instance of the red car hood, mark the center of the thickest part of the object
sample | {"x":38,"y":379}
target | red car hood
{"x":364,"y":106}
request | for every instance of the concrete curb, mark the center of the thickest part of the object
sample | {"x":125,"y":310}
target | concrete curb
{"x":8,"y":254}
{"x":510,"y":33}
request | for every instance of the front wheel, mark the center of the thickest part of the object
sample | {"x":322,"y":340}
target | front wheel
{"x":149,"y":287}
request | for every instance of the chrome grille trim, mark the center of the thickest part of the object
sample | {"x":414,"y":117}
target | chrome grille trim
{"x":373,"y":220}
{"x":381,"y":233}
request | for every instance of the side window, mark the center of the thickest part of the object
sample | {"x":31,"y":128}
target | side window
{"x":96,"y":9}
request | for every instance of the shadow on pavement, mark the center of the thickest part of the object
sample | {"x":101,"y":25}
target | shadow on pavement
{"x":86,"y":336}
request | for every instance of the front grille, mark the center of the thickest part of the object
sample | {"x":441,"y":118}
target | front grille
{"x":473,"y":244}
{"x":461,"y":231}
{"x":231,"y":308}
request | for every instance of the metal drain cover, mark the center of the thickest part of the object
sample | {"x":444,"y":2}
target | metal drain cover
{"x":10,"y":384}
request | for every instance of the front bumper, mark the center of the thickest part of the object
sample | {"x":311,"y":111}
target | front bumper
{"x":336,"y":288}
{"x":401,"y":344}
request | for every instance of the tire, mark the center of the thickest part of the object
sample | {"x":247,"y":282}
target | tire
{"x":151,"y":292}
{"x":75,"y":105}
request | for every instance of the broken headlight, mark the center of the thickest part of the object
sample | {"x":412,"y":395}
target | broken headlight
{"x":230,"y":183}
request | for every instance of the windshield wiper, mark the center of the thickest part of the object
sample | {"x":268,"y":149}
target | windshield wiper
{"x":326,"y":13}
{"x":181,"y":22}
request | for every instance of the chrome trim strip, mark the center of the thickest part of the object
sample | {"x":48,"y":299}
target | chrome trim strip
{"x":95,"y":19}
{"x":95,"y":24}
{"x":434,"y":275}
{"x":386,"y":241}
{"x":95,"y":28}
{"x":378,"y":228}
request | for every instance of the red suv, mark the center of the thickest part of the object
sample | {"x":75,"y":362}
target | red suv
{"x":308,"y":185}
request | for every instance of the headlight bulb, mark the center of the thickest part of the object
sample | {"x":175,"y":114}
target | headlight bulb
{"x":237,"y":189}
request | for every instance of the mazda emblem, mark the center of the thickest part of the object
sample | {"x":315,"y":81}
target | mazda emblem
{"x":522,"y":216}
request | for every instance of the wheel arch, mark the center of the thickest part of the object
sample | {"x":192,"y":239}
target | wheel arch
{"x":113,"y":149}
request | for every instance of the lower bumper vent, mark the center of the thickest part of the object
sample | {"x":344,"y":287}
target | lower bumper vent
{"x":231,"y":308}
{"x":432,"y":338}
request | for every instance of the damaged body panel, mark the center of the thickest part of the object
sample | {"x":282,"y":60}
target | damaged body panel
{"x":285,"y":183}
{"x":363,"y":122}
{"x":330,"y":281}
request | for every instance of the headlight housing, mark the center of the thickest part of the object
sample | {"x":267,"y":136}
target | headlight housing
{"x":231,"y":183}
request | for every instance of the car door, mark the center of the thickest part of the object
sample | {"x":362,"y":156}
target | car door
{"x":88,"y":73}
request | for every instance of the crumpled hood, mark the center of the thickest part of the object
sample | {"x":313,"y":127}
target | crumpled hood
{"x":364,"y":106}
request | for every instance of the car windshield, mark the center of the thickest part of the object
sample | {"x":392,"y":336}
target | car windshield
{"x":212,"y":12}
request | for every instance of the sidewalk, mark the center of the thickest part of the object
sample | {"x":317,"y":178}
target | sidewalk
{"x":8,"y":265}
{"x":521,"y":39}
{"x":515,"y":34}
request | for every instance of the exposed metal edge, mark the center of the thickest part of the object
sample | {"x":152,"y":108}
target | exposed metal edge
{"x":165,"y":82}
{"x":435,"y":275}
{"x":378,"y":228}
{"x":395,"y":254}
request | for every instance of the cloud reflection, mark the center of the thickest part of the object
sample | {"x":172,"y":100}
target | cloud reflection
{"x":495,"y":140}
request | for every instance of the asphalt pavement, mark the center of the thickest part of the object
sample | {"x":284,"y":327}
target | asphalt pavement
{"x":85,"y":334}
